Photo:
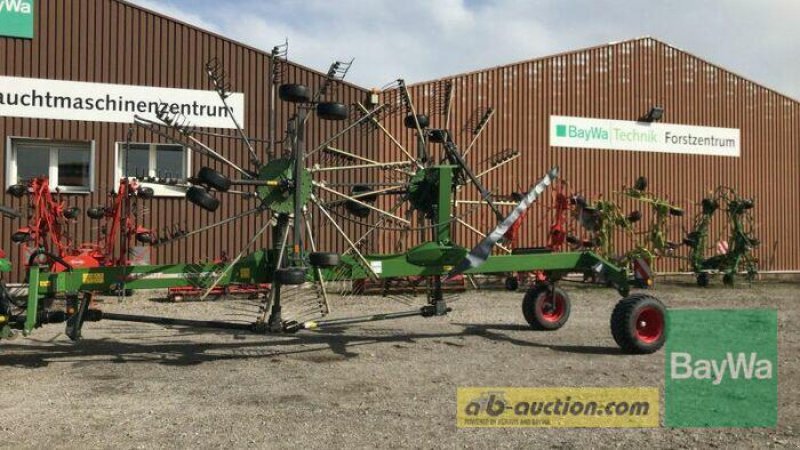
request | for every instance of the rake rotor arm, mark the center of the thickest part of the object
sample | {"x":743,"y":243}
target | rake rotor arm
{"x":479,"y":129}
{"x":317,"y":270}
{"x":346,"y":130}
{"x":212,"y":226}
{"x":393,"y":190}
{"x":341,"y":232}
{"x":230,"y":265}
{"x":455,"y":158}
{"x":195,"y":145}
{"x":389,"y":135}
{"x":359,"y":202}
{"x":346,"y":154}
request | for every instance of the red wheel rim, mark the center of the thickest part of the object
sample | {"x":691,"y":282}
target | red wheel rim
{"x":649,"y":324}
{"x":552,"y":307}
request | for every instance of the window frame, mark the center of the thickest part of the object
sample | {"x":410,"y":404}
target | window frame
{"x":12,"y":172}
{"x":159,"y":190}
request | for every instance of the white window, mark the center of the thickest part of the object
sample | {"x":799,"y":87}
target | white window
{"x":68,"y":165}
{"x":166,"y":162}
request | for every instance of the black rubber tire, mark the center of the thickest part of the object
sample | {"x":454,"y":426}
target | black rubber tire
{"x":357,"y":209}
{"x":202,"y":198}
{"x":423,"y":120}
{"x":96,"y":213}
{"x":437,"y":136}
{"x":512,"y":283}
{"x":325,"y":260}
{"x":709,"y":206}
{"x":640,"y":184}
{"x":145,"y":193}
{"x":627,"y":325}
{"x":533,"y":308}
{"x":729,"y":279}
{"x":702,"y":279}
{"x":20,"y":237}
{"x":294,"y":93}
{"x":213,"y":179}
{"x":17,"y":190}
{"x":290,"y":276}
{"x":677,"y":212}
{"x":332,"y":111}
{"x":72,"y":213}
{"x":145,"y":238}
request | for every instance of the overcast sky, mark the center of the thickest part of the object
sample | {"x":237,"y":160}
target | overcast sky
{"x":421,"y":40}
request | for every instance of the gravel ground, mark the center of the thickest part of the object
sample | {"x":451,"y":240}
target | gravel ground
{"x":381,"y":384}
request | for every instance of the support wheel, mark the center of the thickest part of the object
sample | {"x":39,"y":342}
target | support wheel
{"x":213,"y":179}
{"x":638,"y":324}
{"x":324,"y":260}
{"x":202,"y":198}
{"x":332,"y":111}
{"x":728,"y":279}
{"x":546,"y":309}
{"x":702,"y":279}
{"x":512,"y":283}
{"x":291,"y":276}
{"x":294,"y":93}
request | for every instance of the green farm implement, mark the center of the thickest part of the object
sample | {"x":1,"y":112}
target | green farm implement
{"x":416,"y":198}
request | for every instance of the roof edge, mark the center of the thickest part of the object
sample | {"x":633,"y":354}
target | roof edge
{"x":609,"y":44}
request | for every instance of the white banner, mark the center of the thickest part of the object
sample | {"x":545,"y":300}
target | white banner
{"x":581,"y":132}
{"x":100,"y":102}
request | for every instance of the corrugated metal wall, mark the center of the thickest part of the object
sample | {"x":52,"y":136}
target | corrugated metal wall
{"x":108,"y":41}
{"x":113,"y":42}
{"x":623,"y":81}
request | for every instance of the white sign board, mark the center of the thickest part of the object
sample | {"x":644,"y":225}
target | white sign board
{"x":100,"y":102}
{"x":581,"y":132}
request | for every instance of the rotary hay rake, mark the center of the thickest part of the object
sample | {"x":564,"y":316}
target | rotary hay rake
{"x":732,"y":253}
{"x":413,"y":195}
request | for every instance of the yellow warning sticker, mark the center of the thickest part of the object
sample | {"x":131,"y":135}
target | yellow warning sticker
{"x":94,"y":278}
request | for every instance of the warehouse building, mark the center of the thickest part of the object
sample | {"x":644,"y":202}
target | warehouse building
{"x":74,"y":73}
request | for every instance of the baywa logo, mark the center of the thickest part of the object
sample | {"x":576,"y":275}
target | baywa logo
{"x":587,"y":134}
{"x":746,"y":367}
{"x":16,"y":6}
{"x":16,"y":18}
{"x":721,"y":368}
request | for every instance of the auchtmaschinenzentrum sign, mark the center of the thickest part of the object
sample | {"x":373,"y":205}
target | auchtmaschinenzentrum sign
{"x":581,"y":132}
{"x":101,"y":102}
{"x":16,"y":18}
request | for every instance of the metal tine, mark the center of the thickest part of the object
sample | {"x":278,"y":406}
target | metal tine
{"x":219,"y":79}
{"x":280,"y":54}
{"x":499,"y":160}
{"x":337,"y":71}
{"x":321,"y":280}
{"x":476,"y":128}
{"x":443,"y":100}
{"x":211,"y":226}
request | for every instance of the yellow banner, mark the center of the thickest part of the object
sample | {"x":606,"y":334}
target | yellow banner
{"x":578,"y":407}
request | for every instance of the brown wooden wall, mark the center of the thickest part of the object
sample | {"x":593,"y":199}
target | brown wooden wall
{"x":113,"y":42}
{"x":623,"y":81}
{"x":108,"y":41}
